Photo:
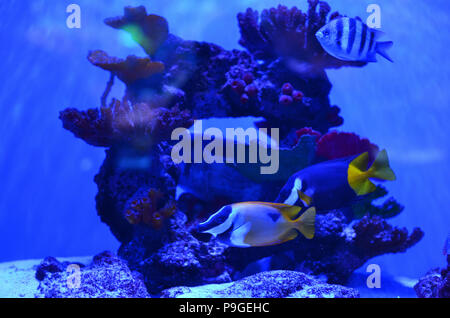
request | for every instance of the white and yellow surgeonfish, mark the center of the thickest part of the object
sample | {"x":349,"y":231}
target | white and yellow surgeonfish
{"x":350,"y":39}
{"x":249,"y":224}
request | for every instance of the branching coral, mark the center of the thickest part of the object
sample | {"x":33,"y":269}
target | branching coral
{"x":139,"y":124}
{"x":150,"y":209}
{"x":374,"y":236}
{"x":388,"y":209}
{"x":288,"y":33}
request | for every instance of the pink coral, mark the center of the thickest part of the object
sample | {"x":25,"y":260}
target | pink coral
{"x":244,"y":87}
{"x":335,"y":144}
{"x":341,"y":144}
{"x":307,"y":131}
{"x":289,"y":95}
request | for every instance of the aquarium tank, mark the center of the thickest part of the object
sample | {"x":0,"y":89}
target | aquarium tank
{"x":210,"y":149}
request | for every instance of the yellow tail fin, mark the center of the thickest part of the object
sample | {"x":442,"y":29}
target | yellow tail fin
{"x":358,"y":175}
{"x":305,"y":223}
{"x":380,"y":168}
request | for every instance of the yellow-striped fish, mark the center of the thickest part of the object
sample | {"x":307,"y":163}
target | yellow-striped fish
{"x":350,"y":39}
{"x":248,"y":224}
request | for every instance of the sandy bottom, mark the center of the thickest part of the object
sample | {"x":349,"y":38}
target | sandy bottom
{"x":17,"y":280}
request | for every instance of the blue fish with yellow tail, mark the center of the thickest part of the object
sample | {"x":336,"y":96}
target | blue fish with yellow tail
{"x":249,"y":224}
{"x":335,"y":184}
{"x":350,"y":39}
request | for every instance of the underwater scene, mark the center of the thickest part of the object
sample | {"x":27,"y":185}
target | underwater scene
{"x":225,"y":149}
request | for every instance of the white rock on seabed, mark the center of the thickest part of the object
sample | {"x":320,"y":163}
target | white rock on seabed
{"x":270,"y":284}
{"x":17,"y":278}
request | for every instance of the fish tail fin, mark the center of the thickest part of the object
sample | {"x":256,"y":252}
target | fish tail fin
{"x":382,"y":47}
{"x":305,"y":223}
{"x":358,"y":176}
{"x":380,"y":168}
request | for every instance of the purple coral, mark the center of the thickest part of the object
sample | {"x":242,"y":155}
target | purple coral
{"x":342,"y":144}
{"x":120,"y":122}
{"x":290,"y":95}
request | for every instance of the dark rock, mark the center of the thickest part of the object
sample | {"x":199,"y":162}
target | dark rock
{"x":48,"y":265}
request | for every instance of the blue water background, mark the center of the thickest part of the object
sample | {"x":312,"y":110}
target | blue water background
{"x":47,"y":192}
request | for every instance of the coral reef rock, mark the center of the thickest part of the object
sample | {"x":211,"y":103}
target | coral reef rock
{"x":273,"y":284}
{"x":435,"y":284}
{"x":106,"y":277}
{"x":180,"y":257}
{"x":280,"y":78}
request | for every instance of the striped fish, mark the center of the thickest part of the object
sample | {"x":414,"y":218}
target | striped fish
{"x":350,"y":39}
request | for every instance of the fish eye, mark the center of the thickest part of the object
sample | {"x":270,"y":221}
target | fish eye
{"x":326,"y":33}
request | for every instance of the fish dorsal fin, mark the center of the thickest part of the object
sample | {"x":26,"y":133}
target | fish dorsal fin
{"x":289,"y":211}
{"x":377,"y":33}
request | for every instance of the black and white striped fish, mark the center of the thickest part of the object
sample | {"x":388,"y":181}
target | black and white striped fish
{"x":350,"y":39}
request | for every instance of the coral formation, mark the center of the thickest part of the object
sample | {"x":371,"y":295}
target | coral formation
{"x":189,"y":259}
{"x":289,"y":33}
{"x":139,"y":124}
{"x":338,"y":145}
{"x":334,"y":144}
{"x":435,"y":284}
{"x":106,"y":277}
{"x":149,"y":30}
{"x":146,"y":209}
{"x":280,"y":77}
{"x":129,"y":70}
{"x":277,"y":284}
